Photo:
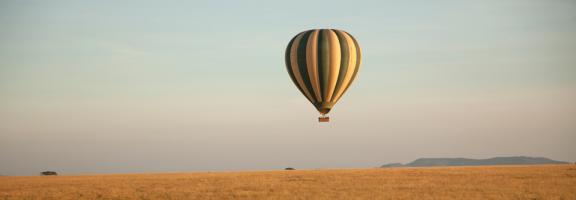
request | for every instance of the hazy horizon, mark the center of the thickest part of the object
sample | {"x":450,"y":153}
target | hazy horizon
{"x":121,"y":87}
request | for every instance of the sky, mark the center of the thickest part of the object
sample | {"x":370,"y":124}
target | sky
{"x":171,"y":86}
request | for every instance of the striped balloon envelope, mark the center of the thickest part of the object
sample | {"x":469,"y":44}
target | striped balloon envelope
{"x":323,"y":63}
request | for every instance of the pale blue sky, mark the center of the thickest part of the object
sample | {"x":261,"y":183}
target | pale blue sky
{"x":137,"y":86}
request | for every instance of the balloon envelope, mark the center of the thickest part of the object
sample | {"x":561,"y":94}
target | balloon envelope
{"x":323,"y":63}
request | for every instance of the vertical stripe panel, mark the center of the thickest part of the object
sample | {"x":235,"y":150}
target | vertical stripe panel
{"x":358,"y":58}
{"x":323,"y":62}
{"x":345,"y":57}
{"x":350,"y":68}
{"x":295,"y":68}
{"x":333,"y":64}
{"x":302,"y":62}
{"x":289,"y":65}
{"x":312,"y":63}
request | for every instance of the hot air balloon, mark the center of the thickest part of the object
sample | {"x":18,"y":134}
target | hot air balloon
{"x":323,"y":63}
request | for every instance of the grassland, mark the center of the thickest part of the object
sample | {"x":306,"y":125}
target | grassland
{"x":493,"y":182}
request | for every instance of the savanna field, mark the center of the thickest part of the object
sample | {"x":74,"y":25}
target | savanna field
{"x":492,"y":182}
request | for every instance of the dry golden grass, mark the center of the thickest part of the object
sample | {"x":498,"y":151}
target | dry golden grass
{"x":494,"y":182}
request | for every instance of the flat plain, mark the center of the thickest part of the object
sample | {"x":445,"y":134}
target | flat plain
{"x":483,"y":182}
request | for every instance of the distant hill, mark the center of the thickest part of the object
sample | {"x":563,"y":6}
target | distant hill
{"x":514,"y":160}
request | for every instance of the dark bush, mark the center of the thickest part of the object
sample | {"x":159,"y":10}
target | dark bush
{"x":48,"y":173}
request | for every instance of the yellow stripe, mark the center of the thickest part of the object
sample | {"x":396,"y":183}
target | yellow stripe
{"x":295,"y":68}
{"x":350,"y":69}
{"x":334,"y":64}
{"x":312,"y":63}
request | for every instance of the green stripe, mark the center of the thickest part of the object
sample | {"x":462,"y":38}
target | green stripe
{"x":301,"y":52}
{"x":323,"y":62}
{"x":345,"y":59}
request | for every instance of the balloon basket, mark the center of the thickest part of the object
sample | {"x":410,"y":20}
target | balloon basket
{"x":324,"y":119}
